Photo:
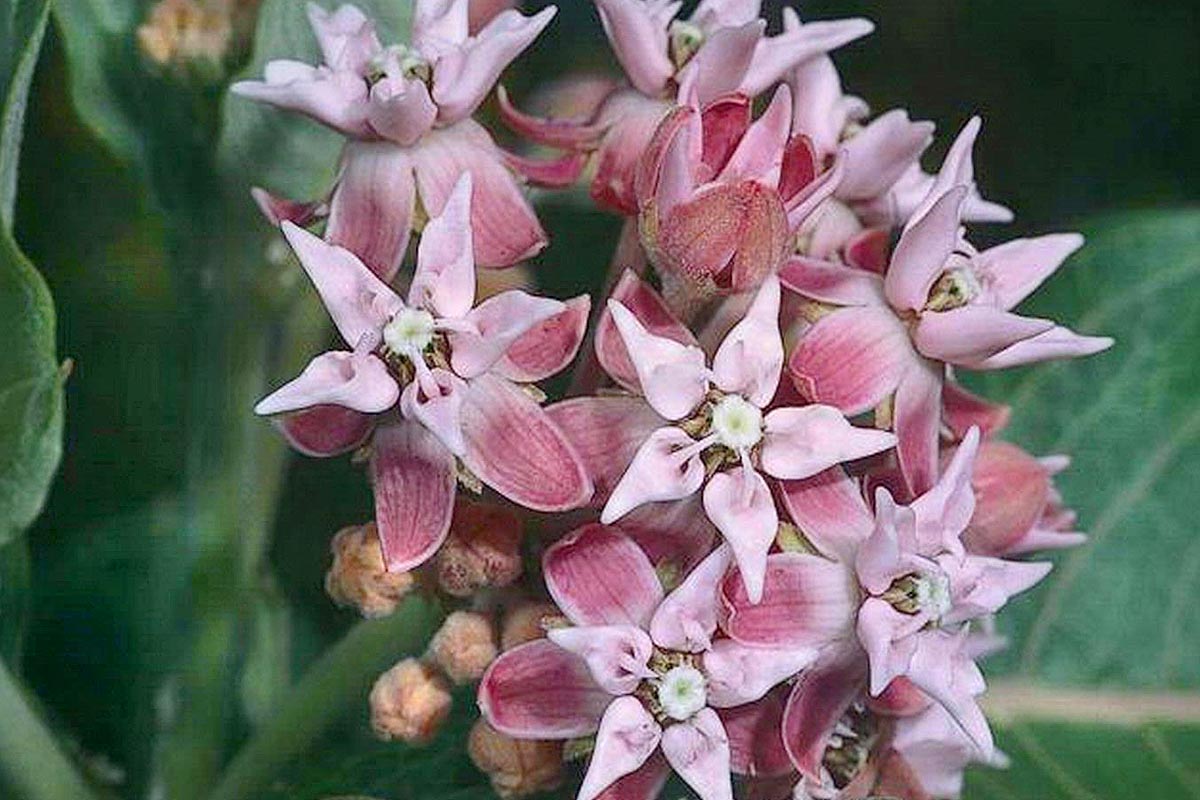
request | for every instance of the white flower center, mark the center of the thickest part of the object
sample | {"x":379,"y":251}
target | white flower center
{"x":681,"y":692}
{"x":933,"y":594}
{"x":737,"y":422}
{"x":409,"y":332}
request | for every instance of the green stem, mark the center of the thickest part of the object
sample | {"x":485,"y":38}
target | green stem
{"x":31,"y":764}
{"x":337,"y":683}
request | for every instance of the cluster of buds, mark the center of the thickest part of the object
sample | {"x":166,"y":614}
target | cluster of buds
{"x":774,"y":528}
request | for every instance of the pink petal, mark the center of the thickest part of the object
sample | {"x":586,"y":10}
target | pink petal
{"x":889,"y":639}
{"x":942,"y":513}
{"x":444,"y":280}
{"x":628,"y":736}
{"x":940,"y":667}
{"x":669,"y":164}
{"x":819,"y":698}
{"x":633,"y":122}
{"x":370,"y":213}
{"x":547,"y":348}
{"x":656,"y":474}
{"x":800,"y":442}
{"x":738,"y":674}
{"x":440,"y":414}
{"x":412,"y":474}
{"x":811,"y":198}
{"x":698,"y":751}
{"x":276,"y":209}
{"x":616,"y":655}
{"x":759,"y":155}
{"x":829,"y":509}
{"x":985,"y":584}
{"x":323,"y":431}
{"x":957,"y":171}
{"x":346,"y":36}
{"x":675,"y":536}
{"x":750,"y":358}
{"x":832,"y":283}
{"x":464,"y":76}
{"x":1013,"y":270}
{"x":1012,"y":490}
{"x":687,"y":618}
{"x":822,"y":110}
{"x":918,"y":414}
{"x":921,"y":254}
{"x":673,"y":376}
{"x":807,"y":602}
{"x":505,"y":228}
{"x":852,"y":359}
{"x":775,"y":55}
{"x":723,"y":124}
{"x":713,"y":14}
{"x":498,"y":323}
{"x":1056,"y":343}
{"x":961,"y":410}
{"x":972,"y":333}
{"x":755,"y":740}
{"x":540,"y":691}
{"x":721,"y":64}
{"x":605,"y":432}
{"x":887,"y":553}
{"x":880,"y":153}
{"x":336,"y":98}
{"x":598,"y":576}
{"x":739,"y":503}
{"x":439,"y":23}
{"x":558,"y":173}
{"x":644,"y":783}
{"x":565,"y":134}
{"x":648,"y":306}
{"x":358,"y":381}
{"x":638,"y":34}
{"x":513,"y":447}
{"x":400,"y":109}
{"x":358,"y":301}
{"x":901,"y":698}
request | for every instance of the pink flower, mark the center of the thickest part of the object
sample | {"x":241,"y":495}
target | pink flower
{"x":449,"y":368}
{"x":941,"y":302}
{"x":719,"y":50}
{"x":914,"y":592}
{"x":406,"y":111}
{"x":643,"y":672}
{"x":718,"y":436}
{"x":936,"y":751}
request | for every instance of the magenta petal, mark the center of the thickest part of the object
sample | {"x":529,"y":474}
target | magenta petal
{"x":921,"y":254}
{"x":412,"y":474}
{"x":598,"y":576}
{"x":972,"y":333}
{"x":358,"y":381}
{"x":656,"y":474}
{"x":755,"y":738}
{"x":739,"y":503}
{"x":548,"y":347}
{"x":687,"y":618}
{"x":605,"y":432}
{"x":800,"y":442}
{"x":738,"y":674}
{"x":370,"y":213}
{"x":628,"y":736}
{"x":513,"y":447}
{"x":750,"y":357}
{"x":644,"y":303}
{"x":852,"y":359}
{"x":495,"y":325}
{"x":505,"y":228}
{"x":918,"y":416}
{"x":324,"y":431}
{"x":830,"y":511}
{"x":832,"y":283}
{"x":807,"y":602}
{"x":444,"y":280}
{"x":616,"y":655}
{"x":698,"y":751}
{"x":819,"y":698}
{"x":638,"y":34}
{"x":540,"y":691}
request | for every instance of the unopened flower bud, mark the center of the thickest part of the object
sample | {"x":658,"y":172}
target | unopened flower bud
{"x":358,"y":576}
{"x":483,"y":549}
{"x":187,"y":35}
{"x":464,"y":646}
{"x":525,"y":622}
{"x":516,"y":767}
{"x":409,"y":702}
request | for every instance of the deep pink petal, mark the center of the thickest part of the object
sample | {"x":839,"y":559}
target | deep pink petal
{"x":830,"y":511}
{"x":723,"y":124}
{"x":567,"y":134}
{"x":605,"y":432}
{"x":921,"y":254}
{"x":807,"y":602}
{"x":869,"y":249}
{"x":276,"y":209}
{"x":800,"y":442}
{"x":1012,"y":490}
{"x":739,"y":503}
{"x":370,"y":213}
{"x":962,"y":409}
{"x":495,"y":325}
{"x":513,"y":447}
{"x":558,"y":173}
{"x":357,"y":381}
{"x":444,"y":280}
{"x":323,"y":431}
{"x":738,"y":674}
{"x":759,"y":155}
{"x":656,"y":474}
{"x":918,"y":414}
{"x":616,"y":655}
{"x":800,"y":168}
{"x":819,"y":698}
{"x":644,"y":783}
{"x":412,"y":474}
{"x":698,"y":751}
{"x":673,"y":376}
{"x":540,"y":691}
{"x":548,"y":347}
{"x":832,"y":283}
{"x":755,"y":736}
{"x":750,"y":357}
{"x":598,"y":576}
{"x":628,"y":736}
{"x":901,"y":698}
{"x":687,"y":618}
{"x":650,"y":309}
{"x":638,"y":34}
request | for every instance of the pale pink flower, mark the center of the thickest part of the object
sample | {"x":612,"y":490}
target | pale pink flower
{"x":449,"y":368}
{"x":646,"y":674}
{"x":406,"y":112}
{"x":936,"y":751}
{"x":940,"y":303}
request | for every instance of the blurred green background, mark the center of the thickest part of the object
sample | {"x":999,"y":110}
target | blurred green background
{"x":1089,"y":107}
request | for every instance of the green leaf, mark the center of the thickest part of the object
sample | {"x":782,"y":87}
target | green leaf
{"x":15,"y":601}
{"x":22,"y":25}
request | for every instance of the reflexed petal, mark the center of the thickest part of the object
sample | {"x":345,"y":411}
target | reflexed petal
{"x":358,"y":301}
{"x":750,"y":358}
{"x":548,"y":347}
{"x":440,"y":414}
{"x":961,"y":410}
{"x":632,"y":120}
{"x":638,"y":34}
{"x":868,"y":249}
{"x":444,"y":280}
{"x":673,"y":376}
{"x":358,"y":381}
{"x":561,"y":133}
{"x":800,"y":168}
{"x":738,"y":674}
{"x":918,"y":416}
{"x":687,"y":618}
{"x":628,"y":736}
{"x":605,"y":432}
{"x":276,"y":209}
{"x":698,"y":751}
{"x":648,"y":306}
{"x":830,"y":511}
{"x":323,"y":431}
{"x":819,"y":698}
{"x":1013,"y":270}
{"x":336,"y":98}
{"x":370,"y":213}
{"x":558,"y":173}
{"x":807,"y":602}
{"x":412,"y":474}
{"x":852,"y":359}
{"x":346,"y":36}
{"x":739,"y":503}
{"x":498,"y":323}
{"x":616,"y":655}
{"x":539,"y":690}
{"x":800,"y":442}
{"x":775,"y":55}
{"x":598,"y":576}
{"x":828,"y":282}
{"x":656,"y":474}
{"x":1058,"y":342}
{"x":513,"y":447}
{"x":921,"y":254}
{"x":755,"y":740}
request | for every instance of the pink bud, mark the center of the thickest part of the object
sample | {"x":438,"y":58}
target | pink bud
{"x":1011,"y":491}
{"x":409,"y":702}
{"x":483,"y":549}
{"x":464,"y":646}
{"x":517,"y":767}
{"x":525,"y":622}
{"x":358,"y":577}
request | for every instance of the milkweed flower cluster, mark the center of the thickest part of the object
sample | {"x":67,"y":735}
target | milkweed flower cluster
{"x":772,"y":528}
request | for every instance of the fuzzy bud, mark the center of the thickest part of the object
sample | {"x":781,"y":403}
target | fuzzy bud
{"x":464,"y":646}
{"x":517,"y":767}
{"x":524,"y":623}
{"x":358,"y":576}
{"x":188,"y":36}
{"x":483,"y":549}
{"x":409,"y":702}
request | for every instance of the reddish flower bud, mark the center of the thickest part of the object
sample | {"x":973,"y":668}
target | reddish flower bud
{"x":358,"y":576}
{"x":409,"y":702}
{"x":464,"y":646}
{"x":517,"y":767}
{"x":483,"y":549}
